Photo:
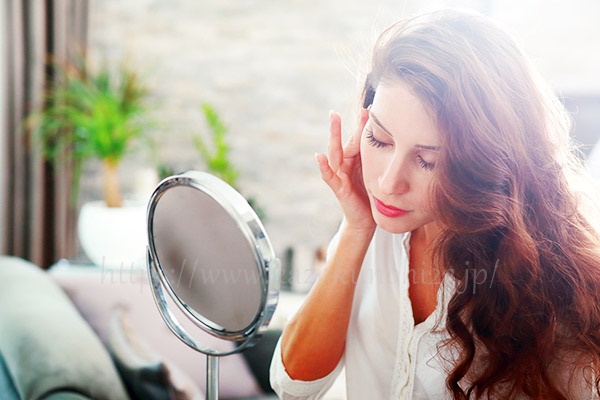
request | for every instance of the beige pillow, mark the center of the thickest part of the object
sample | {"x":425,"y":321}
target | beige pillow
{"x":146,"y":374}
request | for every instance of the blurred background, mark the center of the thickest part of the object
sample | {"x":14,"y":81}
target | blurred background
{"x":269,"y":70}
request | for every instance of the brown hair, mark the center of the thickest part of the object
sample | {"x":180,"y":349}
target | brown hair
{"x":504,"y":194}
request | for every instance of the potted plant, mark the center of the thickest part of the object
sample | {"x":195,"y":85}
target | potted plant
{"x":97,"y":114}
{"x":216,"y":155}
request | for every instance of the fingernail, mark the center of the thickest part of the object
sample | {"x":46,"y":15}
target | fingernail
{"x":317,"y":159}
{"x":364,"y":114}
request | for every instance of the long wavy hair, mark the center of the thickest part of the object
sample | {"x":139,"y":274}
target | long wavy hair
{"x":525,"y":317}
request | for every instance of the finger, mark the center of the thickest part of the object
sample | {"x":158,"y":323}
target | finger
{"x":336,"y":152}
{"x":352,"y":147}
{"x":327,"y":174}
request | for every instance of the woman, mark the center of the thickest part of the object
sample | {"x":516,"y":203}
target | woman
{"x":466,"y":266}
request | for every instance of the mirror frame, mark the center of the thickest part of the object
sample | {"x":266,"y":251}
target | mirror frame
{"x":267,"y":263}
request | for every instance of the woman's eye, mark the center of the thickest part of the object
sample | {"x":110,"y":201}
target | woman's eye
{"x":425,"y":164}
{"x":373,"y":141}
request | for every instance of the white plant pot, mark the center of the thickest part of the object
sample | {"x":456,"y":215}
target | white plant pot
{"x":114,"y":237}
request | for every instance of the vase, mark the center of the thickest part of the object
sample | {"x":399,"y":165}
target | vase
{"x":114,"y":237}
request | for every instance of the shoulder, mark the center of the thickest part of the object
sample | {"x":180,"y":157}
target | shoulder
{"x":387,"y":256}
{"x":383,"y":242}
{"x":386,"y":243}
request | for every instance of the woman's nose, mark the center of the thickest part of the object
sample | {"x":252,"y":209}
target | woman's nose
{"x":395,"y":177}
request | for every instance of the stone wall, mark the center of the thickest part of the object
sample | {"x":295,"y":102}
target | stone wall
{"x":273,"y":69}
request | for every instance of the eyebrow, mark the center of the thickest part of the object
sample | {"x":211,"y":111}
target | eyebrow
{"x":380,"y":125}
{"x":425,"y":147}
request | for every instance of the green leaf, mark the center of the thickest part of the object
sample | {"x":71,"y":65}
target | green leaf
{"x":90,"y":114}
{"x":217,"y":155}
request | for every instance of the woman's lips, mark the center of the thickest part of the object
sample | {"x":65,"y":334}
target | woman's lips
{"x":388,"y":211}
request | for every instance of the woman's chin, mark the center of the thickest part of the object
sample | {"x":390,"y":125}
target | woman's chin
{"x":403,"y":224}
{"x":391,"y":225}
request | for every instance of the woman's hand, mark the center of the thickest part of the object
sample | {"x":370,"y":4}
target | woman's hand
{"x":302,"y":338}
{"x":342,"y":171}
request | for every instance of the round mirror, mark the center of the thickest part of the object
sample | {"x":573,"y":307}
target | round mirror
{"x":210,"y":254}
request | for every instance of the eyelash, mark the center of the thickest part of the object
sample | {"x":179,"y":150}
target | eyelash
{"x":428,"y":166}
{"x":424,"y":164}
{"x":374,"y":142}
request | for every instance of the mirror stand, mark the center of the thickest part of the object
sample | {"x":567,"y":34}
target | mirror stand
{"x":212,"y":377}
{"x":197,"y":222}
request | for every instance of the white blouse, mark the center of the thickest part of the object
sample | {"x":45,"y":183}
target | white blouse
{"x":386,"y":355}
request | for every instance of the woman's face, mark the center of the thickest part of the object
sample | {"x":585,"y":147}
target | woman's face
{"x":399,"y":148}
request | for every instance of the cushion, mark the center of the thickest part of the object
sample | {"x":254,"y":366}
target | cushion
{"x":64,"y":395}
{"x":7,"y":386}
{"x":46,"y":344}
{"x":98,"y":291}
{"x":146,"y":375}
{"x":259,"y":358}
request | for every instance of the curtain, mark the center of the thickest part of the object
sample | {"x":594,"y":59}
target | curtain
{"x":38,"y":218}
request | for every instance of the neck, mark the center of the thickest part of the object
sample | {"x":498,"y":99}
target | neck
{"x":425,"y":235}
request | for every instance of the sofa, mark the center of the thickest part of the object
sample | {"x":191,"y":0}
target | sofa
{"x":83,"y":332}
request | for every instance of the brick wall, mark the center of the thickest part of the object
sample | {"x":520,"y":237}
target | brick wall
{"x":273,"y":69}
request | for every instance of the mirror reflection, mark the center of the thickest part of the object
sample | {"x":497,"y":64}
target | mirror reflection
{"x":207,"y":259}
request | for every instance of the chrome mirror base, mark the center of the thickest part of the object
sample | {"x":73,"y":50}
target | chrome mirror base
{"x":202,"y":230}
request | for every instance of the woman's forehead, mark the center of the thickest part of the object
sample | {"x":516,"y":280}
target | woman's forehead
{"x":398,"y":112}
